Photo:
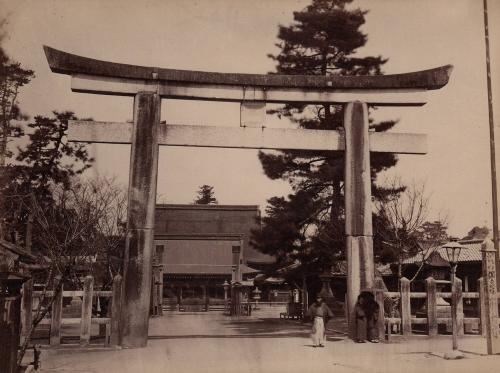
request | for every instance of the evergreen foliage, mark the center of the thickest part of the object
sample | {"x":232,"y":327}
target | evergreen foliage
{"x":48,"y":160}
{"x":434,"y":233}
{"x":309,"y":225}
{"x":206,"y":196}
{"x":12,"y":77}
{"x":477,"y":233}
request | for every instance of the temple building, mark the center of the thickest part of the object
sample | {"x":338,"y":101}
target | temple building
{"x":434,"y":262}
{"x":202,"y":247}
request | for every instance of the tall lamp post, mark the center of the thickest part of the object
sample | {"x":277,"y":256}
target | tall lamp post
{"x":453,"y":250}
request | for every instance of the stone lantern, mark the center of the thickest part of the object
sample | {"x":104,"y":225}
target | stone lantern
{"x":226,"y":287}
{"x":256,"y":296}
{"x":326,"y":291}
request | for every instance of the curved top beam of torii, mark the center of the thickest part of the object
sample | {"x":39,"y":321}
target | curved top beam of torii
{"x":67,"y":63}
{"x":103,"y":77}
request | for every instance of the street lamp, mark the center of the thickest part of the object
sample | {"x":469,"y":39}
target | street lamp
{"x":453,"y":250}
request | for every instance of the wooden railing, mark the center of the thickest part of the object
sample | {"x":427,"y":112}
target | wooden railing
{"x":86,"y":320}
{"x":406,"y":319}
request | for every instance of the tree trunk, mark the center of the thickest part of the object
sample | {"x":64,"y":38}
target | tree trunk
{"x":305,"y":298}
{"x":29,"y":232}
{"x":3,"y":145}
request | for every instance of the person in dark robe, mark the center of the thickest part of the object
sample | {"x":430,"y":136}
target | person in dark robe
{"x":366,"y":315}
{"x":320,"y":313}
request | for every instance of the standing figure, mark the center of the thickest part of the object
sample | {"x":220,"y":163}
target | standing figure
{"x":320,"y":314}
{"x":366,"y":314}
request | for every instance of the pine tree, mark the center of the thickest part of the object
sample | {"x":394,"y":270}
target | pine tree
{"x":477,"y":233}
{"x":433,"y":233}
{"x":47,"y":160}
{"x":206,"y":196}
{"x":309,"y":224}
{"x":12,"y":77}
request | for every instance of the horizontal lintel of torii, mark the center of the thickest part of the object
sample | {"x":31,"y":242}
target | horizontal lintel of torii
{"x":245,"y":137}
{"x":103,"y":77}
{"x":236,"y":93}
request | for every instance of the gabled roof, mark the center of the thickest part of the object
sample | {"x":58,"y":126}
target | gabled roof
{"x":339,"y":269}
{"x":436,"y":255}
{"x":195,"y":222}
{"x":22,"y":254}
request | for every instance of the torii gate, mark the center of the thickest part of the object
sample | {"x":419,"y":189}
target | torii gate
{"x":148,"y":85}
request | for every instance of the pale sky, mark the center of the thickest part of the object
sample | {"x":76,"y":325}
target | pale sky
{"x":236,"y":36}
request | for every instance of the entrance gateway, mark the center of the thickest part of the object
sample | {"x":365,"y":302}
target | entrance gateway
{"x":148,"y":85}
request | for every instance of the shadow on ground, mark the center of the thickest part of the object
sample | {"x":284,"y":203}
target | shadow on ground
{"x":261,"y":328}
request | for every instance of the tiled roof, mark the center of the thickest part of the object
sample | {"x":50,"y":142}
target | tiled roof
{"x":210,"y":223}
{"x":471,"y":253}
{"x":204,"y":269}
{"x":384,"y":269}
{"x":262,"y":278}
{"x":18,"y":251}
{"x":172,"y":206}
{"x":340,"y":269}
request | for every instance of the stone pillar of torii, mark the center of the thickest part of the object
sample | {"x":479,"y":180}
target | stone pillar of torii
{"x":148,"y":85}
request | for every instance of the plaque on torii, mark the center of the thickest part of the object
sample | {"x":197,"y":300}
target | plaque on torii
{"x":148,"y":85}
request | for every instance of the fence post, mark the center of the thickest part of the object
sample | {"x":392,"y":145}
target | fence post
{"x":107,"y":326}
{"x":405,"y":306}
{"x":152,"y":296}
{"x":55,"y":324}
{"x":27,"y":307}
{"x":482,"y":306}
{"x":431,"y":306}
{"x":160,"y":290}
{"x":88,"y":290}
{"x":379,"y":297}
{"x":457,"y":293}
{"x":346,"y":309}
{"x":180,"y":300}
{"x":156,"y":290}
{"x":114,"y":339}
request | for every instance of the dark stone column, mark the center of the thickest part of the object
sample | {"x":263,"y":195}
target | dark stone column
{"x":491,"y":301}
{"x":236,"y":262}
{"x":358,"y":209}
{"x":140,"y":221}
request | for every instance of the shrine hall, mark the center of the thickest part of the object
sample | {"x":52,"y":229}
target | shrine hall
{"x":200,"y":247}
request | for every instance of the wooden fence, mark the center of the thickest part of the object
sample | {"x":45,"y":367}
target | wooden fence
{"x":406,"y":319}
{"x":86,"y":320}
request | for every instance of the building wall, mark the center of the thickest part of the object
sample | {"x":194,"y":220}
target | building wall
{"x":198,"y":256}
{"x":205,"y":220}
